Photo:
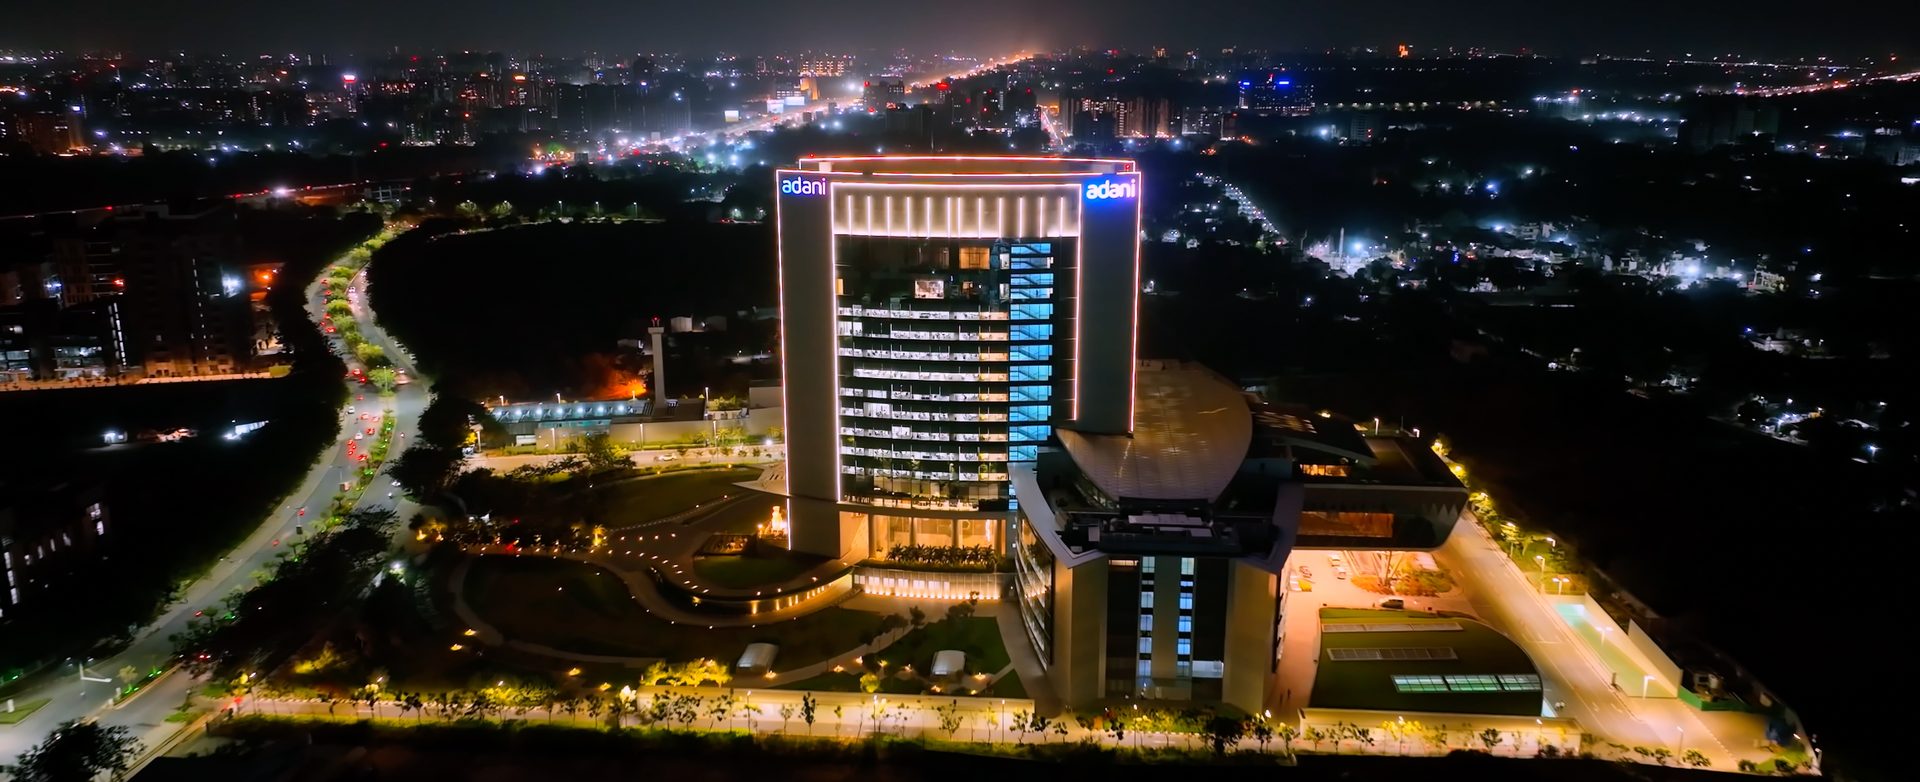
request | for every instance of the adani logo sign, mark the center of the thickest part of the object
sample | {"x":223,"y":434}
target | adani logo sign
{"x":802,"y":186}
{"x":1112,"y":190}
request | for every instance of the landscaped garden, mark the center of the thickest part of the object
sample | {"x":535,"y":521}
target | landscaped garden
{"x":641,"y":500}
{"x":759,"y":565}
{"x":577,"y":607}
{"x":906,"y":665}
{"x":554,"y":505}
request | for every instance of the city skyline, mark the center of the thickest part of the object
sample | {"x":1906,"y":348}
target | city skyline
{"x":1170,"y":403}
{"x":1769,"y":28}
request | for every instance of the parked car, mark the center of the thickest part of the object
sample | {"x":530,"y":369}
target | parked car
{"x":1393,"y":603}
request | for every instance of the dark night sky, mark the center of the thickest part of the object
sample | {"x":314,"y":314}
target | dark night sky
{"x":1843,"y":27}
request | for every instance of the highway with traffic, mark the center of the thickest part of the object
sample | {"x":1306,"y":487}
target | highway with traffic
{"x":86,"y":688}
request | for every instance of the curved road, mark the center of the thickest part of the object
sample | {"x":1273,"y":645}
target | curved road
{"x":73,"y":698}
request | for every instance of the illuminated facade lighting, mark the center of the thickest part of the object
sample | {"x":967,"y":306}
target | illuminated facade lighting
{"x":939,"y":316}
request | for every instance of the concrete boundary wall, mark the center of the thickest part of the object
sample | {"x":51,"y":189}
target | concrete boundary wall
{"x":1639,"y":646}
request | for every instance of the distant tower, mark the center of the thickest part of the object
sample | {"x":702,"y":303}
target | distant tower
{"x":659,"y":365}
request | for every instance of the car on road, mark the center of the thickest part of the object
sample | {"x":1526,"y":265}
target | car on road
{"x":1340,"y":573}
{"x":1334,"y":560}
{"x":1306,"y":572}
{"x":350,"y":410}
{"x":665,"y":457}
{"x":1393,"y":603}
{"x":359,"y":435}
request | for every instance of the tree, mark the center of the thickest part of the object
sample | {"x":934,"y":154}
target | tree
{"x":1038,"y":724}
{"x":1287,"y":734}
{"x":1314,"y":736}
{"x":950,"y":718}
{"x":1696,"y":759}
{"x":809,"y":709}
{"x":426,"y":469}
{"x":962,"y":610}
{"x":600,"y":453}
{"x":786,"y":715}
{"x":78,"y":752}
{"x":721,"y":708}
{"x":370,"y":355}
{"x":916,"y":617}
{"x":1116,"y":727}
{"x":1491,"y":738}
{"x":384,"y":379}
{"x":1262,"y":733}
{"x":1223,"y":732}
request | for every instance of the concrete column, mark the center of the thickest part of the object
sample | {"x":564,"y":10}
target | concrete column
{"x":659,"y":368}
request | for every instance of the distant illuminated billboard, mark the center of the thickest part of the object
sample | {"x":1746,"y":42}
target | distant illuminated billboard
{"x":731,"y":115}
{"x":930,"y":288}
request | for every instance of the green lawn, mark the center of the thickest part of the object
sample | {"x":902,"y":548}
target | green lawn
{"x":21,"y":710}
{"x":1368,"y":684}
{"x":978,"y":636}
{"x":826,"y":682}
{"x":578,"y":607}
{"x":760,"y":568}
{"x":640,"y":500}
{"x":1009,"y":686}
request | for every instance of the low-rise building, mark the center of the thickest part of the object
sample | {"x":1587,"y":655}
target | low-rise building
{"x":1150,"y":565}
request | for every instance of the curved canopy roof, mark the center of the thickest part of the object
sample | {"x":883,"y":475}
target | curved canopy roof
{"x":1191,"y":432}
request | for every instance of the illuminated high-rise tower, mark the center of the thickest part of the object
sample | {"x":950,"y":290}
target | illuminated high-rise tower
{"x":939,"y":316}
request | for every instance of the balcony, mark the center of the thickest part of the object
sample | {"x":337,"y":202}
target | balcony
{"x":922,"y":355}
{"x":880,"y":312}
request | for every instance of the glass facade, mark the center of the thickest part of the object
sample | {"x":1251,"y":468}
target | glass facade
{"x":946,"y":367}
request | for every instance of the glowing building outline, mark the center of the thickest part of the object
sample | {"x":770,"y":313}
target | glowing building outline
{"x":843,"y":481}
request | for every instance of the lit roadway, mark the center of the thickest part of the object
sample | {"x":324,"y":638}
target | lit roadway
{"x":1570,"y":670}
{"x":145,"y":714}
{"x":1838,"y":84}
{"x":792,"y":116}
